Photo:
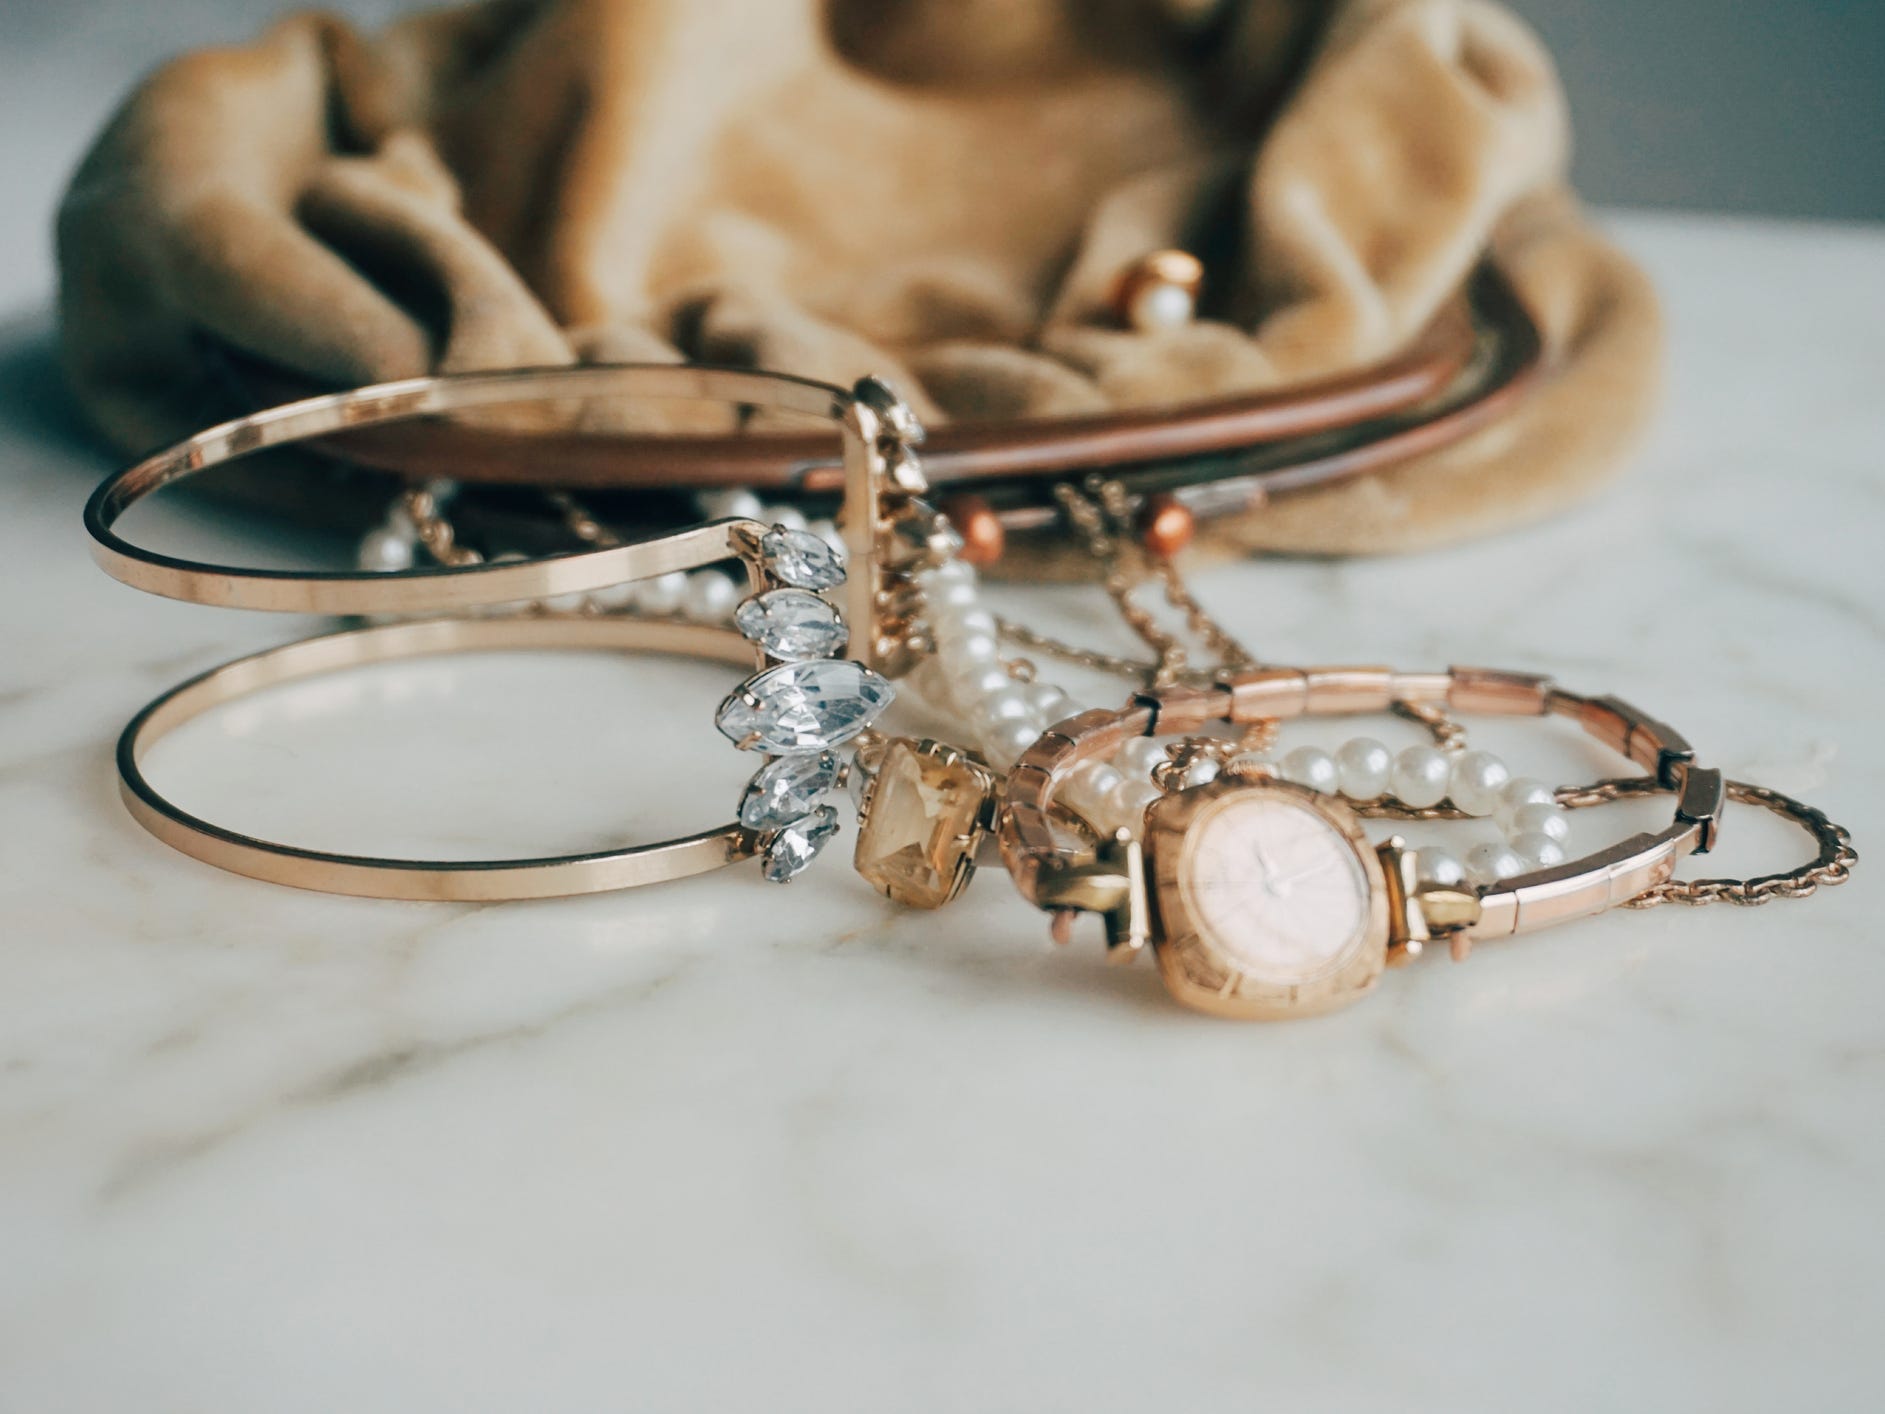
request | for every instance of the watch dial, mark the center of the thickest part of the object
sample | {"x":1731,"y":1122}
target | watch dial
{"x":1278,"y":890}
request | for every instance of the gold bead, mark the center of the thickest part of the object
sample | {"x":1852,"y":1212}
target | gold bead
{"x":1166,"y":525}
{"x":983,"y":535}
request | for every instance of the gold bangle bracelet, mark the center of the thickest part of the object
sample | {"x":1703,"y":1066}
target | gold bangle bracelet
{"x":480,"y":880}
{"x":875,"y":428}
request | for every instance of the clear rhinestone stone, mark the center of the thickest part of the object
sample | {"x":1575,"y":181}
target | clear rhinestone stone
{"x":795,"y":845}
{"x":792,"y":624}
{"x":808,"y":706}
{"x":785,"y":789}
{"x":801,"y":559}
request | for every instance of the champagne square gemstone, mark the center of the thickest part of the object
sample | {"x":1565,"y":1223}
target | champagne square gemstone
{"x":924,"y":822}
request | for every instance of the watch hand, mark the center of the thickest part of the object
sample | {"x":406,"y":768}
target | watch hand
{"x":1289,"y":880}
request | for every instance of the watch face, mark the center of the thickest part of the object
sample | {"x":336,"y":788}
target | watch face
{"x":1271,"y":901}
{"x":1276,"y":887}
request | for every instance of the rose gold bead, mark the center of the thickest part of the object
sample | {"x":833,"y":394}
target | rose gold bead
{"x":983,"y":536}
{"x":1166,"y":525}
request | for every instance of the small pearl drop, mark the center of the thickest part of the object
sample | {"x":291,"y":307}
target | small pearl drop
{"x":663,"y":595}
{"x":1521,"y":791}
{"x":1488,"y":863}
{"x":728,"y":503}
{"x":1310,"y":766}
{"x":1138,"y":756}
{"x":1434,"y":865}
{"x":1547,"y":820}
{"x":1363,"y":768}
{"x":385,"y":551}
{"x":1538,"y":851}
{"x":1420,"y":776}
{"x":1159,"y":305}
{"x":1478,"y":777}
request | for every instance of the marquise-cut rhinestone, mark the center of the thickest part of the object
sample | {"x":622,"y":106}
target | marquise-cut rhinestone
{"x":808,"y":706}
{"x":795,"y":845}
{"x":792,"y":624}
{"x":783,"y":790}
{"x":801,"y":559}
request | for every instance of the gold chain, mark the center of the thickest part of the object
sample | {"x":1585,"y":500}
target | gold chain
{"x":1101,"y":513}
{"x":1833,"y":864}
{"x":435,"y":531}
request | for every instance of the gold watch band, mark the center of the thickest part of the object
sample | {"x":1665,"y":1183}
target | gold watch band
{"x":1574,"y":889}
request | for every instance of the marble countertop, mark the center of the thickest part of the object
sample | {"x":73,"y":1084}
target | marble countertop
{"x":720,"y":1146}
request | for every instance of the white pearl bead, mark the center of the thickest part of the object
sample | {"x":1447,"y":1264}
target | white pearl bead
{"x":1521,"y":791}
{"x":977,"y":680}
{"x":1310,"y":766}
{"x":1128,"y":801}
{"x":1488,"y":863}
{"x":1478,"y":777}
{"x":975,"y":648}
{"x":1420,"y":776}
{"x":566,"y":603}
{"x":1202,"y":771}
{"x":791,"y":517}
{"x":728,"y":503}
{"x":1536,"y":819}
{"x":613,"y":598}
{"x":399,"y":520}
{"x":949,"y":572}
{"x":711,"y":597}
{"x":956,"y":623}
{"x":952,"y":592}
{"x":1006,"y":742}
{"x":1089,"y":785}
{"x":1434,"y":865}
{"x":1138,"y":756}
{"x":663,"y":595}
{"x":1363,"y":768}
{"x":385,"y":551}
{"x":1050,"y":704}
{"x":1160,"y":305}
{"x":1006,"y":704}
{"x":1538,"y":851}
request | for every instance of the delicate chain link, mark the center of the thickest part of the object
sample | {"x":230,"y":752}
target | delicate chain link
{"x":1101,"y":514}
{"x":1832,"y":865}
{"x":1447,"y":734}
{"x":435,"y":531}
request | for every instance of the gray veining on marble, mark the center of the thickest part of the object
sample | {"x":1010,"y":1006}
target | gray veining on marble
{"x":722,"y":1146}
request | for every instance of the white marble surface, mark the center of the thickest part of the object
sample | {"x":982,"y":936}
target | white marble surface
{"x":716,"y":1146}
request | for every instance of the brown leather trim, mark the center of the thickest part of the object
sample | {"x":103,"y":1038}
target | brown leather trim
{"x":1437,"y":361}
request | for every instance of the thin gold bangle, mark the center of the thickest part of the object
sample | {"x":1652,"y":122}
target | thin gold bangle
{"x":367,"y":876}
{"x":868,"y":419}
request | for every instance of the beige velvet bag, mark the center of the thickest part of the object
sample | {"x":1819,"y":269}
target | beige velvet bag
{"x":938,"y":191}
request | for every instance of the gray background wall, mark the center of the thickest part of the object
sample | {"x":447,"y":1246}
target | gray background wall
{"x":1769,"y":106}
